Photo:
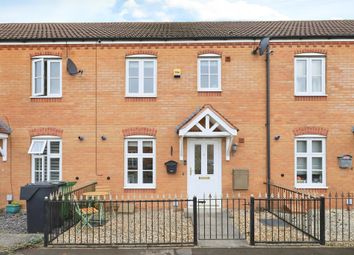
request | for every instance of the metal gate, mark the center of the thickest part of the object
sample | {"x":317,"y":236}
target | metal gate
{"x":287,"y":220}
{"x":222,"y":219}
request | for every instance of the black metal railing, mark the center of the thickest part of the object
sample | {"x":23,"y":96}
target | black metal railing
{"x":222,"y":218}
{"x":339,"y":217}
{"x":287,"y":220}
{"x":121,"y":222}
{"x":283,"y":192}
{"x":78,"y":192}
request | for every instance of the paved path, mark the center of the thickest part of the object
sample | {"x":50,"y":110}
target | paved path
{"x":193,"y":251}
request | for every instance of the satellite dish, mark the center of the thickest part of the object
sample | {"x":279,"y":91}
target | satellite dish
{"x":71,"y":67}
{"x":263,"y":45}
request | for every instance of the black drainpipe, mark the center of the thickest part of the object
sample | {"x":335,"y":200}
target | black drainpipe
{"x":268,"y":52}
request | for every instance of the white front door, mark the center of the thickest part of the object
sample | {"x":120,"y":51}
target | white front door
{"x":204,"y":168}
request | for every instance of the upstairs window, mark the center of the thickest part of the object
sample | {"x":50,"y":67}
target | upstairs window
{"x":46,"y":159}
{"x":141,"y":76}
{"x":310,"y":78}
{"x":209,"y":72}
{"x":46,"y":77}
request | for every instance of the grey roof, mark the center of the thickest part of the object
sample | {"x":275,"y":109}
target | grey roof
{"x":143,"y":31}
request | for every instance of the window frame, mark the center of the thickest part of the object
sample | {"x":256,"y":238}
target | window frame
{"x":48,"y":156}
{"x":139,"y":155}
{"x":209,"y":57}
{"x":140,"y":59}
{"x":309,"y":155}
{"x":309,"y":57}
{"x":48,"y":59}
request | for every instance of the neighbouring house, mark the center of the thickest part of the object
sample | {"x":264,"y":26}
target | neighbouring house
{"x":122,"y":103}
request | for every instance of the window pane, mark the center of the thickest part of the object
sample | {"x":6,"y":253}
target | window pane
{"x":54,"y":86}
{"x":148,"y":69}
{"x":55,"y":147}
{"x":316,"y":84}
{"x":301,"y":68}
{"x":210,"y":158}
{"x":148,"y":85}
{"x":317,"y":67}
{"x":301,"y":177}
{"x":214,"y":67}
{"x":147,"y":177}
{"x":197,"y":159}
{"x":214,"y":81}
{"x":54,"y":176}
{"x":133,"y":177}
{"x":54,"y":69}
{"x":38,"y":68}
{"x":133,"y":68}
{"x":37,"y":147}
{"x":133,"y":85}
{"x":38,"y":165}
{"x":316,"y":146}
{"x":317,"y":177}
{"x":132,"y":147}
{"x":204,"y":67}
{"x":38,"y":85}
{"x":301,"y":84}
{"x":317,"y":163}
{"x":301,"y":163}
{"x":147,"y":147}
{"x":147,"y":163}
{"x":301,"y":146}
{"x":54,"y":164}
{"x":204,"y":81}
{"x":132,"y":164}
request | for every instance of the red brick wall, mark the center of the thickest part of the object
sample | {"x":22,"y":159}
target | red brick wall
{"x":242,"y":102}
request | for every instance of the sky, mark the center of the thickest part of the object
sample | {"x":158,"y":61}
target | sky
{"x":172,"y":10}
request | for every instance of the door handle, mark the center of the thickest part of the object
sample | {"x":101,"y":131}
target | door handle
{"x":190,"y":171}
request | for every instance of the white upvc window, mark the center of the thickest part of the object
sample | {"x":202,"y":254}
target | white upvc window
{"x":141,"y":76}
{"x":209,"y":72}
{"x":46,"y":155}
{"x":46,"y":76}
{"x":140,"y":163}
{"x":310,"y":75}
{"x":310,"y":162}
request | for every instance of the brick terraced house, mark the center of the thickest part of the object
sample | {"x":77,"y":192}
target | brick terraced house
{"x":194,"y":93}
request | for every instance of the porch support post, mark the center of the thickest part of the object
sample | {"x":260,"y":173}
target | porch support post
{"x":3,"y":149}
{"x":228,"y":143}
{"x":181,"y":148}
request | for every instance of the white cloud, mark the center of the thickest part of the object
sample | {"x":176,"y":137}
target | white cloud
{"x":226,"y":10}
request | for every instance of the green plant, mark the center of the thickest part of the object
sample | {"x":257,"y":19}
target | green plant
{"x":15,"y":203}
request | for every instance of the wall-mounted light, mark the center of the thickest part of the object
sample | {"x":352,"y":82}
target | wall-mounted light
{"x":9,"y":198}
{"x":103,"y":138}
{"x":81,"y":138}
{"x":277,"y":137}
{"x":234,"y":147}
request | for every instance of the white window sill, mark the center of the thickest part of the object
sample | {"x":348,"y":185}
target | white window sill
{"x":311,"y":95}
{"x":142,"y":96}
{"x":209,"y":90}
{"x":35,"y":97}
{"x":140,"y":187}
{"x":311,"y":187}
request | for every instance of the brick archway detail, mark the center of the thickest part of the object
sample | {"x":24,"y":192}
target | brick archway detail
{"x":46,"y":131}
{"x":310,"y":131}
{"x":139,"y":131}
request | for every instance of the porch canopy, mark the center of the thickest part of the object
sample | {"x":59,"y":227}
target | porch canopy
{"x":206,"y":122}
{"x":5,"y":131}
